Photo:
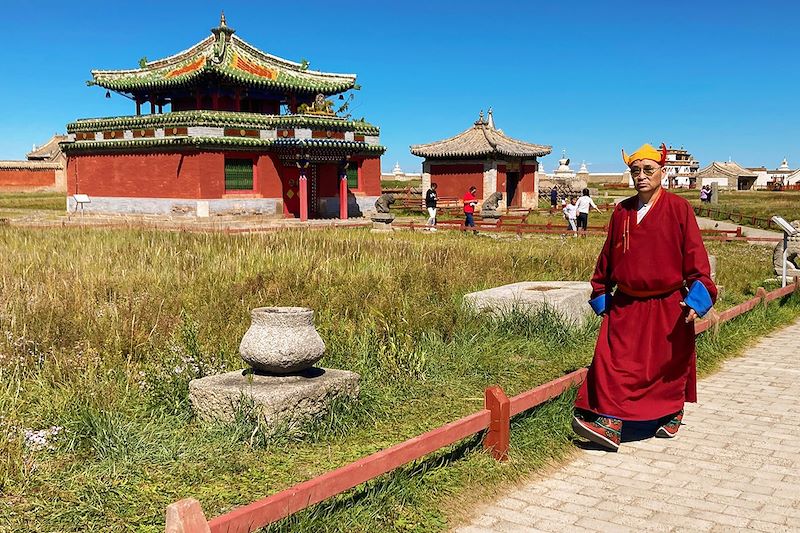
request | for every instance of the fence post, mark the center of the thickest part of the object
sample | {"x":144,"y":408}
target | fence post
{"x":497,"y":439}
{"x":738,"y":231}
{"x":186,"y":516}
{"x":761,"y":292}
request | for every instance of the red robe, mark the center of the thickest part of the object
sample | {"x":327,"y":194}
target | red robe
{"x":644,"y":364}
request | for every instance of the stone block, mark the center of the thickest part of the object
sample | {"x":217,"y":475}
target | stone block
{"x":569,"y":298}
{"x":279,"y":400}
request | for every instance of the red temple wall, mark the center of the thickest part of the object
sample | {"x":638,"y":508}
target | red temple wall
{"x":171,"y":175}
{"x":455,"y":180}
{"x":369,"y":181}
{"x":27,"y":180}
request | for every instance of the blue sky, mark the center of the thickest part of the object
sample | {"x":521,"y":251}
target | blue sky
{"x":719,"y":78}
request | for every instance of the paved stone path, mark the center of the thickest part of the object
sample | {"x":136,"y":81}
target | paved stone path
{"x":735,"y":464}
{"x":707,"y":223}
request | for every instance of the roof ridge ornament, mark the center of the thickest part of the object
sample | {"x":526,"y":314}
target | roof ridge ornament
{"x":222,"y":23}
{"x":480,"y":121}
{"x":490,"y":122}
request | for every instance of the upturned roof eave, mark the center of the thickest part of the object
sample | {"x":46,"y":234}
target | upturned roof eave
{"x":150,"y":76}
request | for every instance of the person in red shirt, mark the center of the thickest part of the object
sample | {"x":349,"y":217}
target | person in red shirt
{"x":654,"y":261}
{"x":469,"y":207}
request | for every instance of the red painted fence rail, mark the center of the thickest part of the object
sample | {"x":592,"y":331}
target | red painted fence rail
{"x":186,"y":516}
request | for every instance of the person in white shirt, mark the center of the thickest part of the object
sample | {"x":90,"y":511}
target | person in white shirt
{"x":571,"y":214}
{"x":584,"y":205}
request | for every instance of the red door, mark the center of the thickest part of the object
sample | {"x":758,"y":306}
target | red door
{"x":291,"y":195}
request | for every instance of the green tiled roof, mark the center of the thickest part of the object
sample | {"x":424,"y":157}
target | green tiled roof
{"x":228,"y":58}
{"x":222,"y":118}
{"x":232,"y":143}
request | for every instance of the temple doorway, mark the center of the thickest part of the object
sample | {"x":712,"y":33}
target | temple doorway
{"x":512,"y":181}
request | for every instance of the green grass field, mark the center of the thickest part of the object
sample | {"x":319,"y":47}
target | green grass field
{"x":32,"y":201}
{"x":102,"y":331}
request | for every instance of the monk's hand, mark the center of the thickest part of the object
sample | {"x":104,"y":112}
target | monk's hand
{"x":691,"y":316}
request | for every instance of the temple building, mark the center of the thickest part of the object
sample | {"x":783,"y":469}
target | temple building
{"x":223,"y":128}
{"x":41,"y":171}
{"x":727,"y":175}
{"x":485,"y":157}
{"x":680,"y":168}
{"x":775,"y":179}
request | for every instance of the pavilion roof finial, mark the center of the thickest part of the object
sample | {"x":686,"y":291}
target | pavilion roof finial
{"x":490,"y":122}
{"x":222,"y":22}
{"x":480,"y":121}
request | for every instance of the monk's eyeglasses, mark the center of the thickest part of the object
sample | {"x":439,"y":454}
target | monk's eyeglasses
{"x":648,"y":171}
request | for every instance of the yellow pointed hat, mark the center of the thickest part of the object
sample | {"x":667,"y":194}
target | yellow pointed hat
{"x":646,"y":151}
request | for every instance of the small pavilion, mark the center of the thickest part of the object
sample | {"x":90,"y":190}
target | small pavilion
{"x":485,"y":157}
{"x":225,"y":128}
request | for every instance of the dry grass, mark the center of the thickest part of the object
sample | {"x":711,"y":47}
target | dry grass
{"x":100,"y":332}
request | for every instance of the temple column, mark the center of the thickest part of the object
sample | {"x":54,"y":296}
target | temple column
{"x":152,"y":107}
{"x":138,"y":107}
{"x":343,"y":191}
{"x":302,"y":165}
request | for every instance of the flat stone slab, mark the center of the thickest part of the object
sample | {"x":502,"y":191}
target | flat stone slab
{"x":569,"y":298}
{"x":280,"y":400}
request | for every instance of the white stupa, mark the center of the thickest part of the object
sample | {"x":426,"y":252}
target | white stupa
{"x":563,"y":174}
{"x":397,"y":171}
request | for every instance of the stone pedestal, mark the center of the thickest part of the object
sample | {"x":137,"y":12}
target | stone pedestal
{"x":382,"y":222}
{"x":491,"y":216}
{"x":569,"y":298}
{"x":279,"y":400}
{"x":281,"y":386}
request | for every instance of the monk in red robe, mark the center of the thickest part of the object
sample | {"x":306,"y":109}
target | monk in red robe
{"x":655,"y":265}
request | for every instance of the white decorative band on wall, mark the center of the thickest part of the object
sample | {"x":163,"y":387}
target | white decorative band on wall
{"x":159,"y":134}
{"x":127,"y":134}
{"x":98,"y":136}
{"x":205,"y":131}
{"x":180,"y":206}
{"x":268,"y":134}
{"x":349,"y":136}
{"x":302,"y":133}
{"x":372,"y":139}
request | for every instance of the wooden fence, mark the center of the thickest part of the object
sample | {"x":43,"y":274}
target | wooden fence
{"x":186,"y":516}
{"x":740,"y":218}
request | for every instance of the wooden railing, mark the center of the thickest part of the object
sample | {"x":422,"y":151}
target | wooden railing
{"x":186,"y":516}
{"x":740,"y":218}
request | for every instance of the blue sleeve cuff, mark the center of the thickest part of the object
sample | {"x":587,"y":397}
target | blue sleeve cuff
{"x":698,"y":298}
{"x":601,"y":303}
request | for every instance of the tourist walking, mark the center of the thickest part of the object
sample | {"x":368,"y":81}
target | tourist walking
{"x":571,"y":214}
{"x":430,"y":204}
{"x":644,"y":365}
{"x":703,"y":194}
{"x":584,"y":205}
{"x":470,"y":201}
{"x":553,"y":198}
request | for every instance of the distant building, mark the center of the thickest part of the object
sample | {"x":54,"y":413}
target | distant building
{"x":487,"y":158}
{"x":730,"y":176}
{"x":680,"y":168}
{"x":43,"y":170}
{"x":781,"y":176}
{"x":397,"y":174}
